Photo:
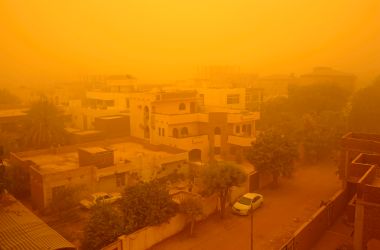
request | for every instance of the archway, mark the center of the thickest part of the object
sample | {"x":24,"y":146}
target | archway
{"x":195,"y":155}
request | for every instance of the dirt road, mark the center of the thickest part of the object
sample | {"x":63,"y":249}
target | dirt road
{"x":284,"y":210}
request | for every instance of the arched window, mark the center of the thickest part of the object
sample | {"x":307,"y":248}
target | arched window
{"x":237,"y":129}
{"x":217,"y":131}
{"x":182,"y":106}
{"x":175,"y":133}
{"x":184,"y":131}
{"x":195,"y":155}
{"x":249,"y":129}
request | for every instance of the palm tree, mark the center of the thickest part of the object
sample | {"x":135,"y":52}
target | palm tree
{"x":44,"y":126}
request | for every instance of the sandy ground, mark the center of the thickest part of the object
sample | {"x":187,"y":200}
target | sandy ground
{"x":284,"y":210}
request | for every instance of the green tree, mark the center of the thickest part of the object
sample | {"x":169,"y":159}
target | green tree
{"x":17,"y":180}
{"x":147,"y":204}
{"x":318,"y":97}
{"x":9,"y":142}
{"x":313,"y":116}
{"x":273,"y":153}
{"x":7,"y":98}
{"x":220,"y":177}
{"x":192,"y":208}
{"x":321,"y":135}
{"x":45,"y":125}
{"x":104,"y":226}
{"x":365,"y":113}
{"x":65,"y":200}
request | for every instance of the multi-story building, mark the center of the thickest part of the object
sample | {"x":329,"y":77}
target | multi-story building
{"x":108,"y":165}
{"x":206,"y":122}
{"x":182,"y":120}
{"x":109,"y":100}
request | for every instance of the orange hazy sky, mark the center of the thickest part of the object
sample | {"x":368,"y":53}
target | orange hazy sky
{"x":169,"y":39}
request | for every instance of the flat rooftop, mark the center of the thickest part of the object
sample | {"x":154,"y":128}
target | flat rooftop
{"x":66,"y":158}
{"x":12,"y":113}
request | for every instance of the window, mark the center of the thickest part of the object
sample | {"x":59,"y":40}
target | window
{"x":233,"y":99}
{"x":217,"y":131}
{"x":120,"y":180}
{"x":184,"y":131}
{"x":175,"y":133}
{"x":182,"y":106}
{"x":255,"y":199}
{"x":110,"y":103}
{"x":159,"y":131}
{"x":163,"y":132}
{"x":244,"y":128}
{"x":237,"y":129}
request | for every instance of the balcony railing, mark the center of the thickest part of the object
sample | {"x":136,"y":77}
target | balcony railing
{"x":241,"y":140}
{"x":188,"y":142}
{"x":181,"y":118}
{"x":243,"y":117}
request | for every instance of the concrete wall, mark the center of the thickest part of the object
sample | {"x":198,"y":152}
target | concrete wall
{"x":311,"y":231}
{"x":148,"y":236}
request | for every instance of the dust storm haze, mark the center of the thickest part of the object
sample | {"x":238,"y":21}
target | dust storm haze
{"x":167,"y":40}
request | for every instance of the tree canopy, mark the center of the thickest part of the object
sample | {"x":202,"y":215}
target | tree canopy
{"x":147,"y":204}
{"x":104,"y":226}
{"x":219,"y":177}
{"x":314,"y":116}
{"x":273,"y":153}
{"x":45,"y":125}
{"x":7,"y":98}
{"x":365,"y":113}
{"x":319,"y":97}
{"x":192,"y":208}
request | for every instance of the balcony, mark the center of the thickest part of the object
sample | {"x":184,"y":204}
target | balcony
{"x":243,"y":117}
{"x":171,"y":119}
{"x":189,"y":142}
{"x":241,"y":140}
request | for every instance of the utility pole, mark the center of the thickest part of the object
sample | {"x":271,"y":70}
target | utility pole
{"x":251,"y":211}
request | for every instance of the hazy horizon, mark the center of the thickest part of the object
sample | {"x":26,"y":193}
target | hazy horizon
{"x":167,"y":40}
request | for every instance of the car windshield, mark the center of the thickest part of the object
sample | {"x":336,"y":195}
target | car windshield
{"x":245,"y":201}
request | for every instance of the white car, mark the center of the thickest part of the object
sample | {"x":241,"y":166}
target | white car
{"x":247,"y":202}
{"x":103,"y":197}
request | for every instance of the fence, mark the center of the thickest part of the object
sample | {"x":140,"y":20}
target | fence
{"x":309,"y":233}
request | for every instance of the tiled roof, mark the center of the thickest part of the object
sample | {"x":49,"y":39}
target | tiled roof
{"x":21,"y":229}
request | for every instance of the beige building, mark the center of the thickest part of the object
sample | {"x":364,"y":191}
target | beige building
{"x":181,"y":119}
{"x":108,"y":166}
{"x":207,"y":122}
